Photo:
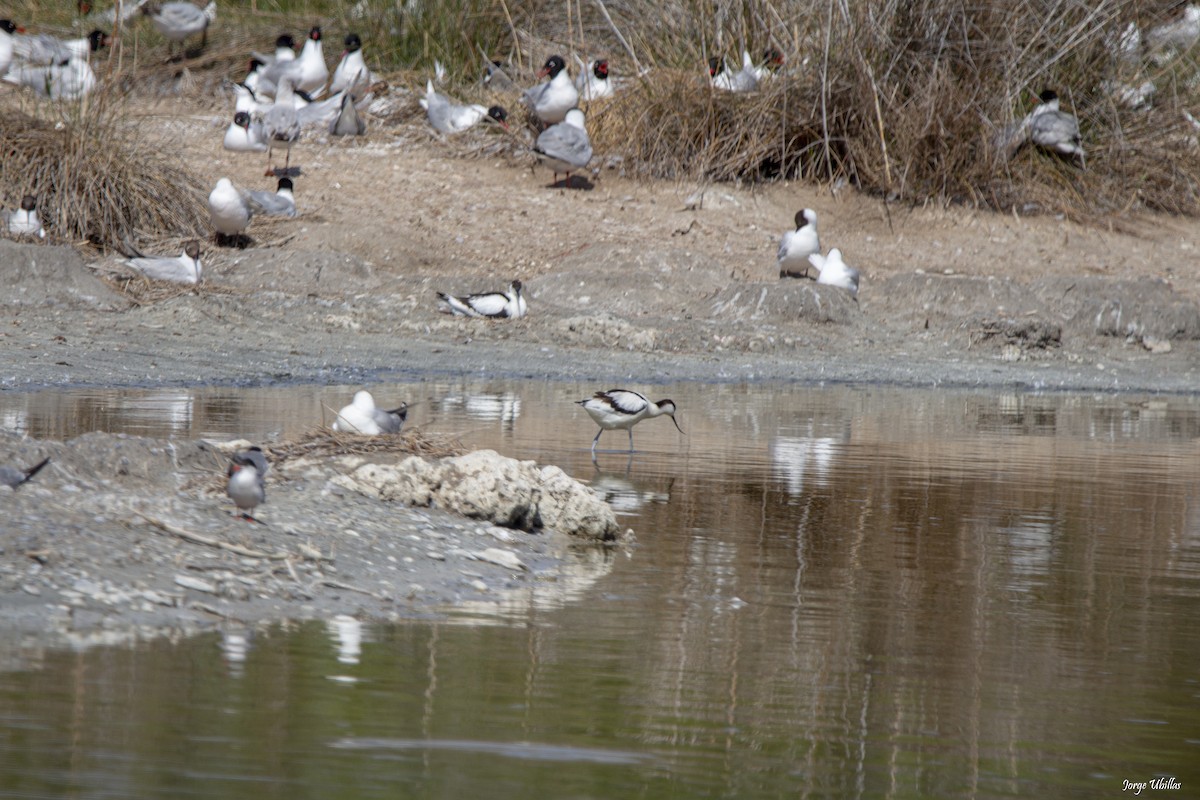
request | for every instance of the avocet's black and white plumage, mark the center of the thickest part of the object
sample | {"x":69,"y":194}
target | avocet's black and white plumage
{"x":184,"y":268}
{"x":796,"y":246}
{"x":363,"y":416}
{"x":497,"y":305}
{"x":1053,"y":129}
{"x":247,"y":480}
{"x":15,"y":476}
{"x":621,"y":409}
{"x":279,"y":203}
{"x":834,"y":271}
{"x":565,"y":147}
{"x":24,"y":221}
{"x":550,"y":101}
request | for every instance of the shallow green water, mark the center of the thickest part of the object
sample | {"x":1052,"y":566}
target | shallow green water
{"x":847,"y":592}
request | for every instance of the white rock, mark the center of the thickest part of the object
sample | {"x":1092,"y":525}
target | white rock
{"x":501,"y":558}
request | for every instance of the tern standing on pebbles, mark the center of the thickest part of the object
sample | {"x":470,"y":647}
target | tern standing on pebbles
{"x":796,"y":246}
{"x":497,"y":305}
{"x":363,"y":416}
{"x":247,"y":473}
{"x":621,"y":409}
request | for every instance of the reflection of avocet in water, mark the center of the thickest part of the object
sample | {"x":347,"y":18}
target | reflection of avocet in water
{"x":624,"y":494}
{"x":801,"y":459}
{"x":503,"y":407}
{"x":347,"y":635}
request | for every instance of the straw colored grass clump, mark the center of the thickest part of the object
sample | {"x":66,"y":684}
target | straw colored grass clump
{"x":96,"y":179}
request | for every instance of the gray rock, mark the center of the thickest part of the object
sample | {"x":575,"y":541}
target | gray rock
{"x":37,"y":275}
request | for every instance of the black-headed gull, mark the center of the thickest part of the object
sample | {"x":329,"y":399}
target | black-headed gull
{"x":347,"y":122}
{"x":621,"y":409}
{"x":43,"y":49}
{"x":770,"y":66}
{"x":307,"y":72}
{"x":244,"y":135}
{"x":449,"y":117}
{"x":185,"y":268}
{"x":363,"y":416}
{"x":24,"y":221}
{"x":70,"y":81}
{"x":247,"y":480}
{"x":745,"y":80}
{"x":352,"y":70}
{"x":229,"y":209}
{"x":796,"y":246}
{"x":13,"y":477}
{"x":496,"y":305}
{"x":565,"y":147}
{"x":281,"y":125}
{"x":1053,"y":129}
{"x":834,"y":271}
{"x":550,"y":101}
{"x":285,"y":50}
{"x":592,"y":81}
{"x":279,"y":203}
{"x":178,"y":19}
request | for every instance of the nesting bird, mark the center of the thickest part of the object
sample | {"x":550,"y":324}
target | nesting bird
{"x":1053,"y":129}
{"x":565,"y":147}
{"x":796,"y":246}
{"x":592,"y":83}
{"x":347,"y":122}
{"x":44,"y":50}
{"x":69,"y":81}
{"x":307,"y":72}
{"x":245,"y":135}
{"x":834,"y":271}
{"x":185,"y":268}
{"x":745,"y":80}
{"x":363,"y":416}
{"x":24,"y":221}
{"x":229,"y":209}
{"x":550,"y":101}
{"x":449,"y":117}
{"x":247,"y":481}
{"x":621,"y":409}
{"x":496,"y":305}
{"x":279,"y":203}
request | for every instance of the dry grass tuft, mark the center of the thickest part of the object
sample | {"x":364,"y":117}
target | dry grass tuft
{"x":95,"y":177}
{"x":325,"y":442}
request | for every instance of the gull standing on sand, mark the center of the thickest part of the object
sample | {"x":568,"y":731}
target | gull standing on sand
{"x":796,"y":246}
{"x":185,"y":268}
{"x":247,"y":487}
{"x":496,"y":305}
{"x":550,"y":101}
{"x":621,"y":409}
{"x":13,"y":477}
{"x":1053,"y":129}
{"x":565,"y":147}
{"x":279,"y":203}
{"x":835,"y":272}
{"x":281,"y":126}
{"x":229,"y":209}
{"x":24,"y":221}
{"x":363,"y":416}
{"x":449,"y":117}
{"x":178,"y":20}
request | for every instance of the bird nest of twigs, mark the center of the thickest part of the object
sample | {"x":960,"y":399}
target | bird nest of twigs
{"x":325,"y":442}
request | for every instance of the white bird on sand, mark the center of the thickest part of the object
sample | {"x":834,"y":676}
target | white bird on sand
{"x":279,"y":203}
{"x":13,"y":477}
{"x":592,"y":81}
{"x":565,"y":147}
{"x":185,"y":268}
{"x":447,"y":116}
{"x":43,"y":49}
{"x":352,"y":70}
{"x":834,"y":271}
{"x":229,"y":209}
{"x":281,"y":125}
{"x":347,"y":122}
{"x":178,"y":19}
{"x":796,"y":246}
{"x":745,"y":80}
{"x":363,"y":416}
{"x":308,"y":72}
{"x":245,"y":135}
{"x":24,"y":221}
{"x":550,"y":101}
{"x":247,"y":475}
{"x":497,"y":305}
{"x":621,"y":409}
{"x":69,"y":81}
{"x":7,"y":29}
{"x":1053,"y":129}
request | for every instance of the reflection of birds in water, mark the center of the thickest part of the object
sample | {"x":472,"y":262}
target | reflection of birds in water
{"x":797,"y":459}
{"x":347,"y":636}
{"x":502,"y":407}
{"x":626,"y":495}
